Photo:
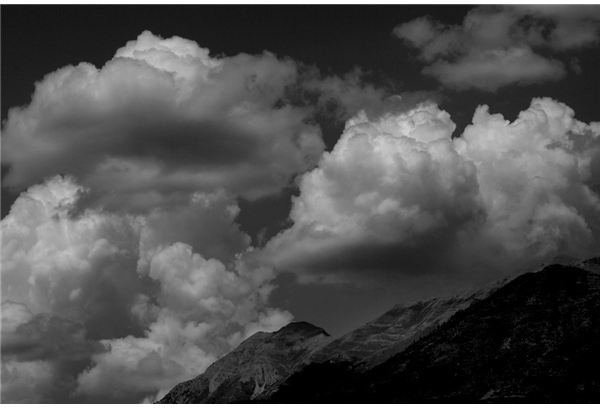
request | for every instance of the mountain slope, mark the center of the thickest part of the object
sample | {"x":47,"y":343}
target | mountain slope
{"x":254,"y":368}
{"x":533,"y":340}
{"x":249,"y":371}
{"x":392,"y":332}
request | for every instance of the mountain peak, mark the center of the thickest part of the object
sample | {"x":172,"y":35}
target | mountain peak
{"x":302,"y":327}
{"x":255,"y":368}
{"x":538,"y":325}
{"x":532,"y":340}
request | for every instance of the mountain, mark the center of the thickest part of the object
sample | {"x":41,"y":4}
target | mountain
{"x":533,"y":340}
{"x":392,"y":332}
{"x":254,"y":368}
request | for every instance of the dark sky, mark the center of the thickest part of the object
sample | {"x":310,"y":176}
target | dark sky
{"x":481,"y":208}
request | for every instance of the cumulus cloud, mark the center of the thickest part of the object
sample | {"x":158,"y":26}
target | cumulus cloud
{"x":201,"y":311}
{"x":91,"y":297}
{"x":161,"y":120}
{"x":130,"y":273}
{"x":67,"y":266}
{"x":132,"y":258}
{"x":206,"y":223}
{"x":398,"y":195}
{"x":498,"y":46}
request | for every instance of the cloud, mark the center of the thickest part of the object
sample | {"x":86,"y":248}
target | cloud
{"x":538,"y":177}
{"x":91,"y":296}
{"x":399,"y":196}
{"x":26,"y":382}
{"x":499,"y":46}
{"x":390,"y":186}
{"x":125,"y":248}
{"x":342,"y":97}
{"x":491,"y":69}
{"x":206,"y":222}
{"x":202,"y":311}
{"x":67,"y":266}
{"x":575,"y":26}
{"x":40,"y":354}
{"x":162,"y":120}
{"x":129,"y":273}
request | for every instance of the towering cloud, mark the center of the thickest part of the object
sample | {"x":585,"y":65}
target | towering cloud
{"x":124,"y":270}
{"x":499,"y":46}
{"x":133,"y":259}
{"x":398,"y":195}
{"x":161,"y":120}
{"x":122,"y":296}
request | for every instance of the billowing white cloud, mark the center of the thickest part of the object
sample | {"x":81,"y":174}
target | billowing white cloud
{"x":57,"y":263}
{"x":134,"y":257}
{"x":399,"y":195}
{"x":161,"y":120}
{"x":201,"y":311}
{"x":125,"y":294}
{"x":538,"y":178}
{"x":389,"y":186}
{"x":499,"y":46}
{"x":135,"y":264}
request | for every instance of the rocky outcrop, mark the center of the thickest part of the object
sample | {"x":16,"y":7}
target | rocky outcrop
{"x":254,"y":369}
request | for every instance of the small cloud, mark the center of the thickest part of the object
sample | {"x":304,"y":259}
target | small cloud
{"x":500,"y":46}
{"x":492,"y":69}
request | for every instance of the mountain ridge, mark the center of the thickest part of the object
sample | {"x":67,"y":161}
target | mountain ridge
{"x":532,"y":340}
{"x":254,"y":368}
{"x":369,"y":363}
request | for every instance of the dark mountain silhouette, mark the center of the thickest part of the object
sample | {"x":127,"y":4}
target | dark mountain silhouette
{"x":533,"y":340}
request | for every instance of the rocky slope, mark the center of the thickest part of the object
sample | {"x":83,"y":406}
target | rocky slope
{"x":392,"y":332}
{"x":254,"y":369}
{"x":533,"y":340}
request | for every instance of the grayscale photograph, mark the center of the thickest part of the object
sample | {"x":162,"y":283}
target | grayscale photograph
{"x":300,"y":203}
